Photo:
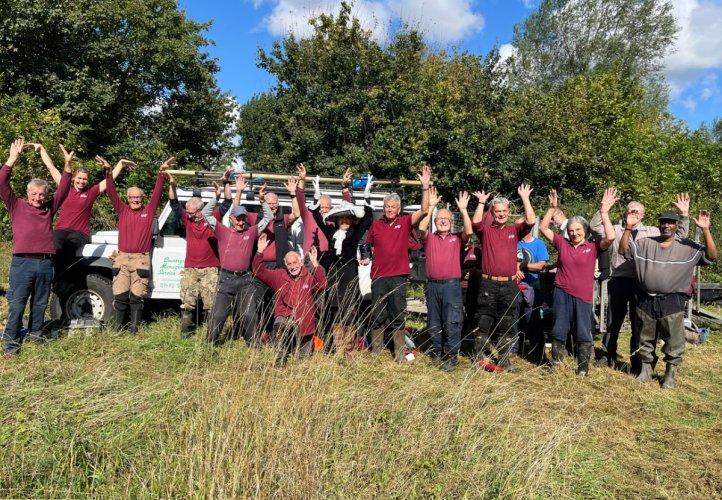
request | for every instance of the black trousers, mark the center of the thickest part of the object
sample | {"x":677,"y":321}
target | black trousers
{"x":237,"y":297}
{"x":622,"y":300}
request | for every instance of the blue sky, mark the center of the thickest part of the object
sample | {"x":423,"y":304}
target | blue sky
{"x":693,"y":71}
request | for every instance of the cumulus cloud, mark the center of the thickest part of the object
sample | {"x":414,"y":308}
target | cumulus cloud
{"x":529,"y":4}
{"x":506,"y":51}
{"x":441,"y":20}
{"x":698,"y":49}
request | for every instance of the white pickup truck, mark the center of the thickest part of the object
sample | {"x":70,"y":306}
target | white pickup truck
{"x":84,"y":291}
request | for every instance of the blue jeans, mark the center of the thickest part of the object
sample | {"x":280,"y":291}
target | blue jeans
{"x":29,"y":279}
{"x":528,"y":315}
{"x":571,"y":314}
{"x":444,"y":309}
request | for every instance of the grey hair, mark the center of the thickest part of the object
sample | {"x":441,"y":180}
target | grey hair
{"x":633,"y":204}
{"x":392,"y":197}
{"x":326,"y":197}
{"x":195,"y":203}
{"x":127,"y":193}
{"x":292,"y":252}
{"x":500,"y":200}
{"x":37,"y":182}
{"x":578,"y":219}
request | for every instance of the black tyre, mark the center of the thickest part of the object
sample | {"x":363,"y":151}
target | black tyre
{"x":90,"y":297}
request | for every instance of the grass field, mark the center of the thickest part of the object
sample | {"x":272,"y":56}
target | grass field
{"x":108,"y":415}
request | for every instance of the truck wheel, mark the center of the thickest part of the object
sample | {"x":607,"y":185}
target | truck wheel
{"x":88,"y":298}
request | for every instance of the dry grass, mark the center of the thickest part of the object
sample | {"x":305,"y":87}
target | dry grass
{"x":108,"y":415}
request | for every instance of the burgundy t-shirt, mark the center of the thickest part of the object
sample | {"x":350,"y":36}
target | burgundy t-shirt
{"x":443,"y":256}
{"x":575,"y":270}
{"x":32,"y":227}
{"x":235,"y":249}
{"x":75,"y":210}
{"x":201,"y":243}
{"x":135,"y":227}
{"x":498,"y":246}
{"x":391,"y":246}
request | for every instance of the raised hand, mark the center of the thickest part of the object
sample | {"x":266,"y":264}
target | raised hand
{"x":425,"y":176}
{"x":291,"y":185}
{"x":553,"y":198}
{"x":524,"y":191}
{"x":609,"y":198}
{"x":33,"y":145}
{"x":167,"y":164}
{"x":681,"y":201}
{"x":171,"y":179}
{"x":16,"y":148}
{"x":434,"y":198}
{"x":462,"y":201}
{"x":217,"y":188}
{"x":313,"y":256}
{"x":262,"y":243}
{"x":262,"y":193}
{"x":301,"y":170}
{"x":703,"y":221}
{"x":226,"y":177}
{"x":481,"y":196}
{"x":347,"y":178}
{"x":632,"y":219}
{"x":68,"y":157}
{"x":130,"y":165}
{"x":369,"y":185}
{"x":240,"y":183}
{"x":108,"y":168}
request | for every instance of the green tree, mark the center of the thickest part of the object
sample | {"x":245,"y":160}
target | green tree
{"x":128,"y":71}
{"x":567,"y":38}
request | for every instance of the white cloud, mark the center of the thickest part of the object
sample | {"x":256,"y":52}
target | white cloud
{"x":690,"y":103}
{"x":441,"y":20}
{"x":698,"y":48}
{"x":506,"y":51}
{"x":529,"y":4}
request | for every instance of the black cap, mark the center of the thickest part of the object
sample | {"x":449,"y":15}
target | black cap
{"x":668,"y":215}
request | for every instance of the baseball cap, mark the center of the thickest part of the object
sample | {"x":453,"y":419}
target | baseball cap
{"x":238,"y":211}
{"x":668,"y":215}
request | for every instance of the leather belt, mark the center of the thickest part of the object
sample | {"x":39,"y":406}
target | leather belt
{"x":37,"y":256}
{"x":498,"y":278}
{"x":236,"y":273}
{"x":448,"y":280}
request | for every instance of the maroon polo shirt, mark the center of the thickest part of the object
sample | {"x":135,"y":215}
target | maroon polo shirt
{"x":201,"y":243}
{"x":235,"y":249}
{"x":575,"y":269}
{"x":75,"y":211}
{"x":135,"y":227}
{"x":391,"y":246}
{"x":443,"y":256}
{"x":32,"y":227}
{"x":498,"y":246}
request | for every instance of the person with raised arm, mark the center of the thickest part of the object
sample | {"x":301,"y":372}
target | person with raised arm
{"x":295,"y":289}
{"x":31,"y":268}
{"x":200,"y":272}
{"x":72,"y":229}
{"x":498,"y":287}
{"x":342,"y":228}
{"x":131,"y":265}
{"x":622,"y":287}
{"x":574,"y":280}
{"x":389,"y":237}
{"x":237,"y":294}
{"x":663,"y":268}
{"x":444,"y":249}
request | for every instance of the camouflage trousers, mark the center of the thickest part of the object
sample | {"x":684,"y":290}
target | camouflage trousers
{"x":198,"y":282}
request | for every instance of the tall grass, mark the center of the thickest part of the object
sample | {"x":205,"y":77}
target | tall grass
{"x":109,"y":415}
